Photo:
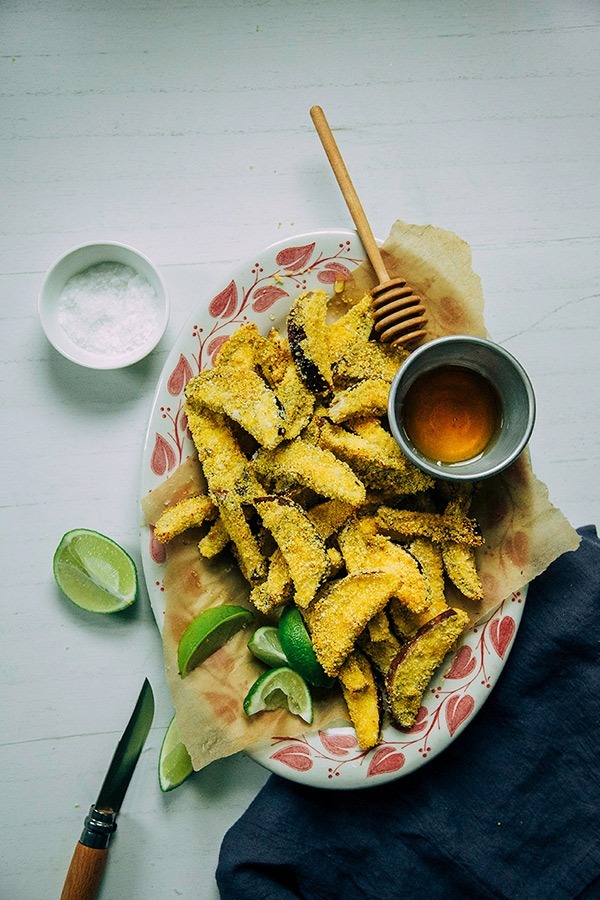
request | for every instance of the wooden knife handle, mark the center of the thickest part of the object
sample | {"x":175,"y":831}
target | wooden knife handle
{"x":85,"y":873}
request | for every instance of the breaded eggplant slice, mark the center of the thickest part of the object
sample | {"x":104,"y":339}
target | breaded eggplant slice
{"x":429,"y":557}
{"x":307,"y":336}
{"x":242,"y":396}
{"x":302,"y":463}
{"x":338,"y":616}
{"x":188,"y":513}
{"x":277,"y":588}
{"x":215,"y":541}
{"x":296,"y":400}
{"x":245,"y":547}
{"x":328,"y":517}
{"x":379,"y":360}
{"x":413,"y":668}
{"x":379,"y":643}
{"x":300,"y":543}
{"x":403,"y":524}
{"x":351,"y":329}
{"x":362,"y":699}
{"x":243,"y":349}
{"x":224,"y":465}
{"x":275,"y":357}
{"x":362,"y":551}
{"x":230,"y":483}
{"x":459,"y":562}
{"x":367,"y":398}
{"x":379,"y":467}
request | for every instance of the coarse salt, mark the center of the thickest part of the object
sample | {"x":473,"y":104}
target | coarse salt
{"x":108,"y":308}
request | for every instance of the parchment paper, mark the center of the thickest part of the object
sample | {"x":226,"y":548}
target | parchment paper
{"x":523,"y":531}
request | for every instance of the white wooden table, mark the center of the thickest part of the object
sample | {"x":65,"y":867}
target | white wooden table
{"x":183,"y":130}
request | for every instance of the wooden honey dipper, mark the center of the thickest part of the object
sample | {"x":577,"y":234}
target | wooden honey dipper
{"x":400,"y":316}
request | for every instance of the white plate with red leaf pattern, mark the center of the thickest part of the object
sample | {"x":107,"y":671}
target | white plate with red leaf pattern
{"x":262,"y":291}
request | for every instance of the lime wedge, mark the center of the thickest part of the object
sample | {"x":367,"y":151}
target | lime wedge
{"x":174,"y":763}
{"x":266,"y":646}
{"x":297,"y":646}
{"x":94,"y":572}
{"x":280,"y":689}
{"x":207,"y":633}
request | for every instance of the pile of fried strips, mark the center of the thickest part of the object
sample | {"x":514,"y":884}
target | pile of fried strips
{"x":320,"y":508}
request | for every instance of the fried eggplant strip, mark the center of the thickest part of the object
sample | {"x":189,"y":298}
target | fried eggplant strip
{"x":338,"y":616}
{"x":301,"y":463}
{"x":186,"y":514}
{"x":367,"y":398}
{"x":245,"y":398}
{"x":351,"y":330}
{"x":362,"y":699}
{"x":404,"y":524}
{"x":307,"y":336}
{"x":300,"y":543}
{"x":230,"y":483}
{"x":413,"y":668}
{"x":215,"y":540}
{"x":362,"y":551}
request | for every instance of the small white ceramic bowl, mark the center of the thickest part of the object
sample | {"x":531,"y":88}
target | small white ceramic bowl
{"x":85,"y":353}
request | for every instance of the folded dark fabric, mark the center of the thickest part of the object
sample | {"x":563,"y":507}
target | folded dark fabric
{"x":511,"y":809}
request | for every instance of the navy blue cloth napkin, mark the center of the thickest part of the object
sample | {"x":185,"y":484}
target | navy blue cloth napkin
{"x":511,"y":809}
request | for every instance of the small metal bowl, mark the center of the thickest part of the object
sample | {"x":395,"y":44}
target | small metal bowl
{"x":76,"y":263}
{"x":510,"y":383}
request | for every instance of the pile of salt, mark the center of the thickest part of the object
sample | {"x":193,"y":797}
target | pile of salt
{"x":108,"y":308}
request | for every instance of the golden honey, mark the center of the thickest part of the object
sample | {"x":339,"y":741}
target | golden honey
{"x":451,"y":414}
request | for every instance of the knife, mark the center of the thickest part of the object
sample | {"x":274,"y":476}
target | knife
{"x":87,"y":865}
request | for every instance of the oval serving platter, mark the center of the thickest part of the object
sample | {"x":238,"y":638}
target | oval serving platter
{"x":261,"y":291}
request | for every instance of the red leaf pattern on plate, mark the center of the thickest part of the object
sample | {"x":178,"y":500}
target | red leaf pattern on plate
{"x":265,"y":297}
{"x":501,"y":634}
{"x":179,"y":377}
{"x":294,"y":258}
{"x":295,"y":756}
{"x":463,"y":665}
{"x":225,"y":303}
{"x":420,"y":721}
{"x":384,"y":761}
{"x":333,"y":271}
{"x":457,"y":710}
{"x":163,"y":456}
{"x":158,"y":551}
{"x":338,"y":744}
{"x":215,"y":345}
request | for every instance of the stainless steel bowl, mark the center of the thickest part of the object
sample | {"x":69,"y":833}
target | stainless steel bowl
{"x":502,"y":371}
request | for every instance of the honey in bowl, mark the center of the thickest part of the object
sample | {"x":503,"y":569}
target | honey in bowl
{"x":451,"y":414}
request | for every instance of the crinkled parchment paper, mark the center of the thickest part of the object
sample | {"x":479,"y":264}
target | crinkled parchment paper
{"x":523,"y":531}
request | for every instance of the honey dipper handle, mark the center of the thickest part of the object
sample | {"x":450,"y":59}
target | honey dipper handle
{"x":347,"y":188}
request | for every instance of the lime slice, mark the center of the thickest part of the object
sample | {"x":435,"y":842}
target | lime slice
{"x":297,"y":646}
{"x":207,"y":633}
{"x":280,"y":689}
{"x":94,"y":572}
{"x":266,"y":646}
{"x":174,"y":763}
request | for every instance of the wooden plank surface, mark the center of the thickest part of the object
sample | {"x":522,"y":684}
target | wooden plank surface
{"x":183,"y":129}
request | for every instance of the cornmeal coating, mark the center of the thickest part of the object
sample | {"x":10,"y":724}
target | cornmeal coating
{"x":367,"y":398}
{"x":243,"y":396}
{"x":243,"y":349}
{"x":379,"y":360}
{"x":186,"y":514}
{"x":437,"y":526}
{"x":302,"y":463}
{"x":338,"y":616}
{"x":362,"y":699}
{"x":307,"y":336}
{"x":459,"y":562}
{"x":300,"y":543}
{"x":351,"y":330}
{"x":215,"y":540}
{"x":413,"y":668}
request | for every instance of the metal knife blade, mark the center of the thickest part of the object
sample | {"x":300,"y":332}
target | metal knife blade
{"x":87,"y":865}
{"x":127,"y":753}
